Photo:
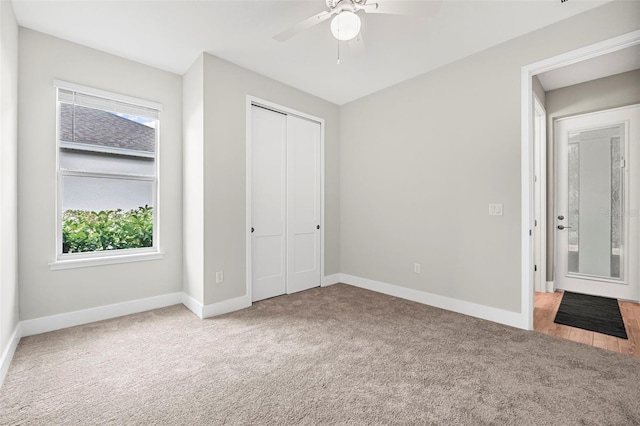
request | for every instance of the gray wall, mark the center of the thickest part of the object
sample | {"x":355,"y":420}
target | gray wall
{"x":410,"y":172}
{"x":422,"y":160}
{"x":44,"y":292}
{"x":604,"y":93}
{"x":226,"y":87}
{"x":193,"y":184}
{"x":539,"y":90}
{"x":8,"y":173}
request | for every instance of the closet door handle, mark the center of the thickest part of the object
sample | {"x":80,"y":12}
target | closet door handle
{"x":317,"y":226}
{"x":252,"y":229}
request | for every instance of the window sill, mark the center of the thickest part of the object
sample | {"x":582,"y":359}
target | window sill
{"x":106,"y":260}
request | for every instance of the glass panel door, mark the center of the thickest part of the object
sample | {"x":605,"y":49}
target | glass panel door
{"x":595,"y":203}
{"x":597,"y":237}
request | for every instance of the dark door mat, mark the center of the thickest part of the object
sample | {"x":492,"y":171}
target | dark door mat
{"x":594,"y":313}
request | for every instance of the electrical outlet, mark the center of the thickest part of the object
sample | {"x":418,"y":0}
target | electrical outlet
{"x":495,"y":209}
{"x":416,"y":268}
{"x":219,"y":277}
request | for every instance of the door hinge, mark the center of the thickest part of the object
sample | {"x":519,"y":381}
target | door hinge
{"x":622,"y":163}
{"x":529,"y":232}
{"x":535,"y":222}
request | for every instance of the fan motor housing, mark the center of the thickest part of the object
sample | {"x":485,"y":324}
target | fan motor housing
{"x":345,"y":4}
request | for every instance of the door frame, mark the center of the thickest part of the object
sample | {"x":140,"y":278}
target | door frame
{"x":527,"y":153}
{"x":250,"y":101}
{"x":540,"y":162}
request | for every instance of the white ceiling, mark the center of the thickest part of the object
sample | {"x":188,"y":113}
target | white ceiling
{"x":617,"y":62}
{"x":171,"y":34}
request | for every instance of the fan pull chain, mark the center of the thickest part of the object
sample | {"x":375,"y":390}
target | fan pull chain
{"x":338,"y":52}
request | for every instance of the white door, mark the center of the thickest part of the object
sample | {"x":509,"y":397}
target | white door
{"x":268,"y":198}
{"x":303,"y":204}
{"x":285,"y":203}
{"x":597,"y":210}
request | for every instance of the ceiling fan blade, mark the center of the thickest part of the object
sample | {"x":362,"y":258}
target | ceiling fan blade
{"x":404,"y":7}
{"x":303,"y":25}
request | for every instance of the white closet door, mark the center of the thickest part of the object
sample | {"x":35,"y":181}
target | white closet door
{"x":268,"y":203}
{"x":303,"y":204}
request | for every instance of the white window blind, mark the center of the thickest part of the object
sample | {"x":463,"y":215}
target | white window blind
{"x":90,"y":101}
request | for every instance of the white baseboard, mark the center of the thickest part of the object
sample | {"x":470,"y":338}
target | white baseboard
{"x":513,"y":319}
{"x":85,"y":316}
{"x":7,"y":354}
{"x":330,"y":280}
{"x":193,"y":305}
{"x":226,"y":306}
{"x":550,"y":288}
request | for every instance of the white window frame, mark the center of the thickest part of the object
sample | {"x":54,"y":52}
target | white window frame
{"x":96,"y":258}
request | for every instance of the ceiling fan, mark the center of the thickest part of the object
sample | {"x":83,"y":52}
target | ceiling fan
{"x":346,"y":23}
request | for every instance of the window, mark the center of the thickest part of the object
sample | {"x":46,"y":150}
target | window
{"x":107,"y":174}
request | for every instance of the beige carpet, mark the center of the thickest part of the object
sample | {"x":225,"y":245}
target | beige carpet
{"x":337,"y":355}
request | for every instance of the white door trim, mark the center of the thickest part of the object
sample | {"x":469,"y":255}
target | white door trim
{"x":252,"y":100}
{"x":541,"y":157}
{"x":526,"y":118}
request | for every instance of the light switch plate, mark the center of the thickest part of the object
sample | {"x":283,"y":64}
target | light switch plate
{"x":495,"y":209}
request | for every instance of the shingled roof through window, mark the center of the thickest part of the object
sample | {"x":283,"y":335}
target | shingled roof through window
{"x":103,"y":128}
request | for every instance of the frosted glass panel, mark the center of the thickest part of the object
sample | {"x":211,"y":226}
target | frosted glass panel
{"x":594,"y":216}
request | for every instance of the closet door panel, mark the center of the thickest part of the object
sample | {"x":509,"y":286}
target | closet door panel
{"x":303,"y":204}
{"x":268,"y":203}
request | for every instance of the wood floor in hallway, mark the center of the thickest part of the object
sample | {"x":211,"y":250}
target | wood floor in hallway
{"x":546,"y":307}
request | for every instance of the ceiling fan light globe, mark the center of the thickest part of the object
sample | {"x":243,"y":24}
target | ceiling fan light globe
{"x":345,"y":25}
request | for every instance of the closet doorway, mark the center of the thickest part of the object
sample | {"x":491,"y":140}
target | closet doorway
{"x":284,"y":200}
